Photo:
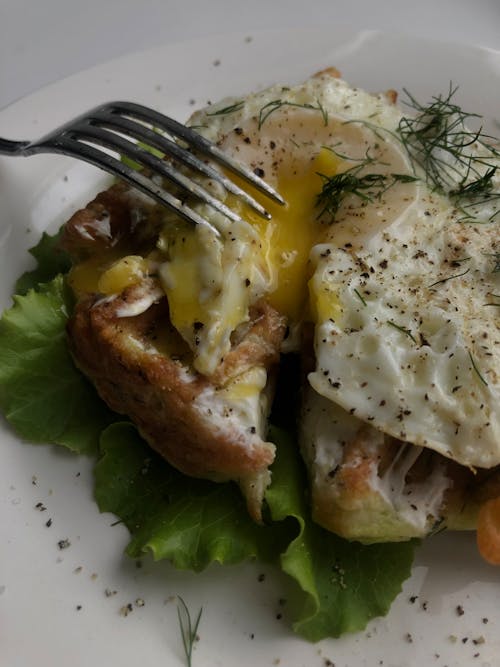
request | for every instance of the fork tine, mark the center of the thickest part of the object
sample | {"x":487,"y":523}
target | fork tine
{"x":69,"y":146}
{"x":117,"y":143}
{"x":195,"y":140}
{"x":137,"y":130}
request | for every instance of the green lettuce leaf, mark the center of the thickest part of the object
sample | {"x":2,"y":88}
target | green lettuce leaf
{"x":146,"y":147}
{"x":342,"y":584}
{"x":51,"y":260}
{"x":44,"y":397}
{"x":190,"y":522}
{"x":337,"y":586}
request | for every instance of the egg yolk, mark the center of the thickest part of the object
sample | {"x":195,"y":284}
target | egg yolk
{"x":285,"y":244}
{"x":294,"y":230}
{"x":191,"y":280}
{"x":107,"y":274}
{"x":181,"y":280}
{"x":324,"y":303}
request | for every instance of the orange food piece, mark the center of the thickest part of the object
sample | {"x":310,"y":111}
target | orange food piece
{"x":488,"y":531}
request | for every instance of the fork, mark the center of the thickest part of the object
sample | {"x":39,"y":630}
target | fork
{"x":117,"y":126}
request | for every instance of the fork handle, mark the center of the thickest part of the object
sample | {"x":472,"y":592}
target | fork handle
{"x":8,"y":147}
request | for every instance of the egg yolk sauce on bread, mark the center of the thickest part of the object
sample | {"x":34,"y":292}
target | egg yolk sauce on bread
{"x":400,"y":408}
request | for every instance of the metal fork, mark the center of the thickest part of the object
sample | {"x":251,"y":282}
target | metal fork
{"x":113,"y":125}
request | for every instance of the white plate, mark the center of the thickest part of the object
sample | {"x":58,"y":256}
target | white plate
{"x":41,"y":586}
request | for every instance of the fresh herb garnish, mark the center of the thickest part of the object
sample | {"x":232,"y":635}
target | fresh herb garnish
{"x":145,"y":147}
{"x":360,"y":297}
{"x":272,"y":106}
{"x":457,"y":161}
{"x":474,"y":366}
{"x":232,"y":108}
{"x":476,"y":188}
{"x":444,"y":280}
{"x":189,"y":629}
{"x":366,"y":186}
{"x":493,"y":303}
{"x":402,"y":329}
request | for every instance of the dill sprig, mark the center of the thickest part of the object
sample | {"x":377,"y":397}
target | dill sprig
{"x":189,"y":629}
{"x":457,"y":161}
{"x":477,"y":188}
{"x":232,"y":108}
{"x":366,"y":186}
{"x":337,"y":187}
{"x":360,"y":297}
{"x":474,"y":366}
{"x":494,"y":303}
{"x":407,"y":332}
{"x":445,"y":280}
{"x":274,"y":105}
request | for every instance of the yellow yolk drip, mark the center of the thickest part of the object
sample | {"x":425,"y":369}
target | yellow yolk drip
{"x":190,"y":276}
{"x":182,"y":279}
{"x":186,"y":279}
{"x":129,"y":270}
{"x":246,"y":385}
{"x":83,"y":277}
{"x":323,"y":302}
{"x":294,"y":230}
{"x":105,"y":274}
{"x":323,"y":305}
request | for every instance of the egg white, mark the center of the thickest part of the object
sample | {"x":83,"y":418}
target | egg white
{"x":409,"y":343}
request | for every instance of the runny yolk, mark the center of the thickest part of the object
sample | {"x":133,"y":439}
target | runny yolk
{"x":107,"y":274}
{"x":183,"y":285}
{"x":185,"y":279}
{"x":285,"y":244}
{"x":294,"y":230}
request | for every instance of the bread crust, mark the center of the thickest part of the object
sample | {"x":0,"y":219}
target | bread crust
{"x":159,"y":392}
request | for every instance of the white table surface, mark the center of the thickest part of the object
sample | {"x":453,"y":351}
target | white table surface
{"x":42,"y":41}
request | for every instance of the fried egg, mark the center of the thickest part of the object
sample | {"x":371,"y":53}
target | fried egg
{"x":290,"y":137}
{"x":405,"y":336}
{"x":401,"y":291}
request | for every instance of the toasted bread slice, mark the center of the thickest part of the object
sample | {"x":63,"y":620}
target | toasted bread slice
{"x":206,"y":426}
{"x":140,"y":368}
